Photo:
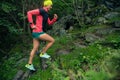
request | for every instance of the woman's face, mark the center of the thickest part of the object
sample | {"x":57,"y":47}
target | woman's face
{"x":49,"y":7}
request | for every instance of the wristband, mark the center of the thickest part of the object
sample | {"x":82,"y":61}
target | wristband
{"x":30,"y":23}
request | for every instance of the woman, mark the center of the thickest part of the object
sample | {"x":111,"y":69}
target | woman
{"x":38,"y":31}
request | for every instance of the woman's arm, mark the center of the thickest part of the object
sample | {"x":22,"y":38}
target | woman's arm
{"x":30,"y":14}
{"x":50,"y":22}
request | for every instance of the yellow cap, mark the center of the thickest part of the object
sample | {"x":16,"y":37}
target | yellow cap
{"x":47,"y":2}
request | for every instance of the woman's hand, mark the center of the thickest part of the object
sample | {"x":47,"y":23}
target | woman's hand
{"x":55,"y":16}
{"x":34,"y":27}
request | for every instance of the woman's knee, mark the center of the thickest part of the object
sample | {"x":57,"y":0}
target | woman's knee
{"x":35,"y":49}
{"x":53,"y":40}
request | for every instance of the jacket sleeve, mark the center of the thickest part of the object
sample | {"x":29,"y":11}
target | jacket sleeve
{"x":30,"y":14}
{"x":50,"y":22}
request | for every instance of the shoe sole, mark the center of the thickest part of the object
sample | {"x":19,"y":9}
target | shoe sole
{"x":30,"y":69}
{"x":45,"y":57}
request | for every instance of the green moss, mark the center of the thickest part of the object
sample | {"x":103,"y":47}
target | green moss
{"x":8,"y":69}
{"x":114,"y":19}
{"x":92,"y":29}
{"x":114,"y":37}
{"x":41,"y":75}
{"x":93,"y":75}
{"x":80,"y":62}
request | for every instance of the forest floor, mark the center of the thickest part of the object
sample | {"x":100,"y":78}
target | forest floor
{"x":88,"y":54}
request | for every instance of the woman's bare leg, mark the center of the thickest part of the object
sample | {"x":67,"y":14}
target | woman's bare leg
{"x":35,"y":48}
{"x":50,"y":41}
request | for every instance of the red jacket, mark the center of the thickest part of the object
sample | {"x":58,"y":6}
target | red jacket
{"x":39,"y":19}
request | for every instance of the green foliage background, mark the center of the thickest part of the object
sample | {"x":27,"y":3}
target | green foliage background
{"x":98,"y":61}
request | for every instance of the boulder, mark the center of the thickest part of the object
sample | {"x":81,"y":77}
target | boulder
{"x":112,"y":4}
{"x":117,"y":9}
{"x":104,"y":31}
{"x":62,"y":51}
{"x":92,"y":37}
{"x":117,"y":24}
{"x":101,"y":20}
{"x":111,"y":15}
{"x":26,"y":75}
{"x":80,"y":45}
{"x":21,"y":61}
{"x":59,"y":26}
{"x":18,"y":75}
{"x":88,"y":20}
{"x":43,"y":63}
